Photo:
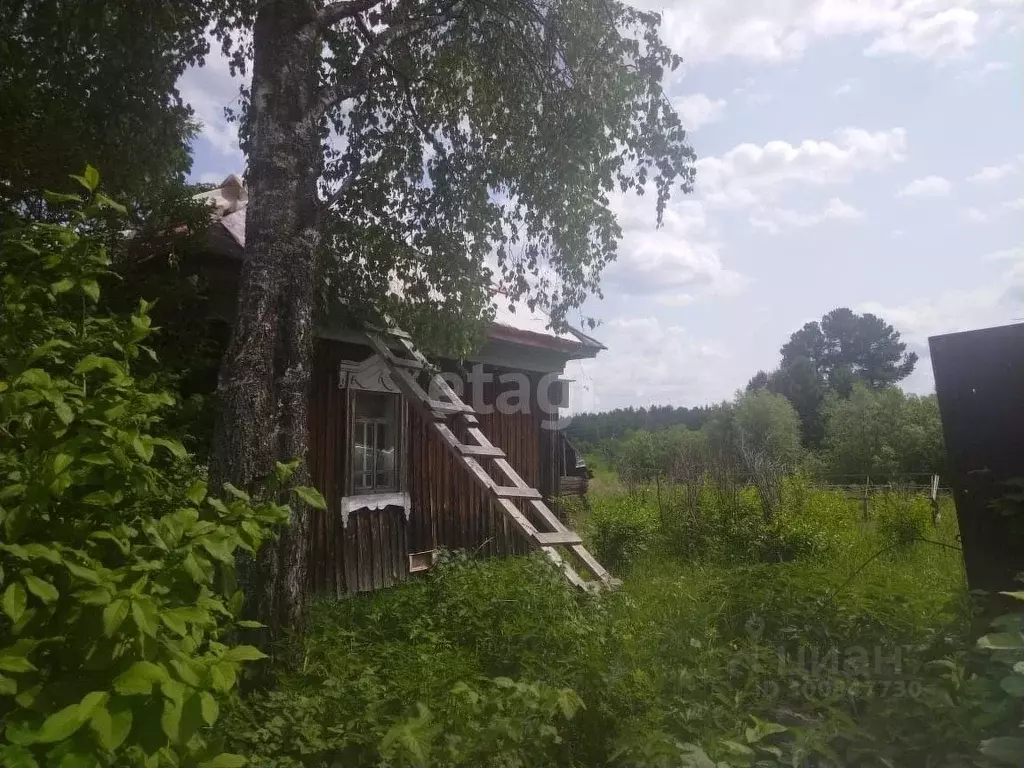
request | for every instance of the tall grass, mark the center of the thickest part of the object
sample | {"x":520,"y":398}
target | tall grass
{"x":722,"y":653}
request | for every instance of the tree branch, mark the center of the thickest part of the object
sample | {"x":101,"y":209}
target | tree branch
{"x":346,"y":185}
{"x":358,"y":81}
{"x":335,"y":12}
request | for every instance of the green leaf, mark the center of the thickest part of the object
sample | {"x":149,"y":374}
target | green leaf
{"x":1014,"y":595}
{"x":311,"y":496}
{"x":83,"y":573}
{"x":736,"y":748}
{"x":108,"y":203}
{"x":91,"y":363}
{"x":58,"y":198}
{"x":91,"y":289}
{"x":224,"y":760}
{"x":98,"y":596}
{"x":145,"y":615}
{"x":60,"y":725}
{"x":143,"y":448}
{"x":174,"y":623}
{"x":13,"y":659}
{"x":186,"y":674}
{"x":111,"y":726}
{"x":43,"y":552}
{"x":8,"y":687}
{"x":1013,"y":685}
{"x":237,"y":493}
{"x":90,"y":702}
{"x":62,"y":286}
{"x":198,"y":568}
{"x":61,"y":462}
{"x":14,"y":601}
{"x":99,"y":499}
{"x":176,"y":448}
{"x":92,"y":177}
{"x":41,"y":589}
{"x":244,"y":653}
{"x":64,"y":412}
{"x":284,"y":471}
{"x":1005,"y":749}
{"x":113,"y":615}
{"x":220,"y":548}
{"x":140,"y":678}
{"x":1002,"y":641}
{"x":196,"y":492}
{"x":210,"y":708}
{"x":222,"y":676}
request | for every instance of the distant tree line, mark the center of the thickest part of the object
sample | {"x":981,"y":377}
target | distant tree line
{"x":832,"y":407}
{"x":589,"y":429}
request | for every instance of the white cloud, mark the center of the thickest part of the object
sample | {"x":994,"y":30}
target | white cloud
{"x":775,"y":221}
{"x":999,"y":302}
{"x":209,"y":90}
{"x":1006,"y":254}
{"x":749,"y":174}
{"x":650,"y":361}
{"x":992,"y":173}
{"x":976,"y":215}
{"x":946,"y":34}
{"x":994,"y":66}
{"x":697,"y":110}
{"x":1014,"y":205}
{"x":929,"y":186}
{"x":849,"y":86}
{"x":777,"y":30}
{"x":674,"y":264}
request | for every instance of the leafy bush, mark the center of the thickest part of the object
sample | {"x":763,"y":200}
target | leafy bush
{"x":462,"y":668}
{"x":116,"y":566}
{"x":621,"y":530}
{"x":901,"y":520}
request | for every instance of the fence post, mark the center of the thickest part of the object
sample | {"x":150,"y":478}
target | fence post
{"x":935,"y":500}
{"x":867,"y":489}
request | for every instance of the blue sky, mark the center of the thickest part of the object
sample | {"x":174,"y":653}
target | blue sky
{"x":861,"y":153}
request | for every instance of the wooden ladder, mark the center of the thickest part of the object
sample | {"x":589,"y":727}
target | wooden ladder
{"x":447,"y":413}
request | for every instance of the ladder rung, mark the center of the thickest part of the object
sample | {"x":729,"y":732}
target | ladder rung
{"x":407,"y":362}
{"x":437,"y":405}
{"x":511,"y":492}
{"x":480,"y":450}
{"x":406,"y":369}
{"x":556,"y":537}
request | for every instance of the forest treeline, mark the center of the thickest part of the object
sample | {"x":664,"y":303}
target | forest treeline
{"x":833,"y":407}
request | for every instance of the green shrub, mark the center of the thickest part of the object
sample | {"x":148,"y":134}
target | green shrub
{"x":622,"y":529}
{"x":901,"y":520}
{"x":460,"y":668}
{"x":116,"y":566}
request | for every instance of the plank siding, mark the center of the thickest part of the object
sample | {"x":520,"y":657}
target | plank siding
{"x":447,"y":508}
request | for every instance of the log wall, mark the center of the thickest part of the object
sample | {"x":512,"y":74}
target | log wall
{"x":447,"y":509}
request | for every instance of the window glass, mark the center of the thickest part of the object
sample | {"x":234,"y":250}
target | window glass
{"x":375,"y":438}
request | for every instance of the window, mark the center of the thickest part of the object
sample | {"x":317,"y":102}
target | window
{"x":374,"y":442}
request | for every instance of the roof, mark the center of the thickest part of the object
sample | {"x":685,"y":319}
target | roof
{"x":514,"y":322}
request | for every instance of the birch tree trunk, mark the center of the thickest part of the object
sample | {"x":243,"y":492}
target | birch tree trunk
{"x":266,"y":371}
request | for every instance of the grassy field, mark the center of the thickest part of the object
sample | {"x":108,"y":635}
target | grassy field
{"x":818,"y":639}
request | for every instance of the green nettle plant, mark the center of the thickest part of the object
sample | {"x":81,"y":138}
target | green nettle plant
{"x":117,"y":582}
{"x":1006,"y":647}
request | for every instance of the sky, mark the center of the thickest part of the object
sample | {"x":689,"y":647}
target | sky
{"x":859,"y":153}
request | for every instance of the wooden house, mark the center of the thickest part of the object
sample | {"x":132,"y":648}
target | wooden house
{"x":399,"y":485}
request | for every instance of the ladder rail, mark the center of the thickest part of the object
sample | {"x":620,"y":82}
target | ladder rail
{"x":443,"y":408}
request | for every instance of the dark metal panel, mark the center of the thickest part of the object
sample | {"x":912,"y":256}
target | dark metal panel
{"x":979,"y":379}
